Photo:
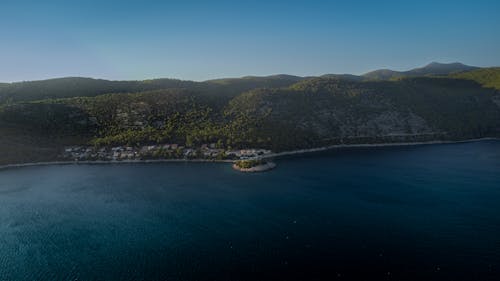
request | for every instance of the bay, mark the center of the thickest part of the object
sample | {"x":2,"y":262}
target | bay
{"x":429,"y":212}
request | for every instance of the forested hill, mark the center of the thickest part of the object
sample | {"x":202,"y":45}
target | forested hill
{"x":228,"y":87}
{"x":38,"y":119}
{"x":488,"y":77}
{"x":88,"y":87}
{"x":77,"y":86}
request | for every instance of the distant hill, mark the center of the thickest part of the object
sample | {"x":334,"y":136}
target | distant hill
{"x":87,"y":87}
{"x":436,"y":68}
{"x":382,"y":74}
{"x":243,"y":84}
{"x":349,"y":77}
{"x":433,"y":68}
{"x":279,"y":79}
{"x":77,"y":87}
{"x":223,"y":88}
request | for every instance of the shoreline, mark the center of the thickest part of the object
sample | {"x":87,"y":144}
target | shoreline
{"x":336,"y":146}
{"x":110,"y":162}
{"x":272,"y":155}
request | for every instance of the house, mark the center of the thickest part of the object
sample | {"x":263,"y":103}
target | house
{"x":212,"y":152}
{"x":130,"y":155}
{"x":233,"y":153}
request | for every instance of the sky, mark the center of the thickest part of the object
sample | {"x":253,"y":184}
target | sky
{"x":200,"y":40}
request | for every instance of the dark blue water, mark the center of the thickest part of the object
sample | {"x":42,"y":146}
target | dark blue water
{"x":399,"y":213}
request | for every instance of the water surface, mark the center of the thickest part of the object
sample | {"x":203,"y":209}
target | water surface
{"x":398,"y":213}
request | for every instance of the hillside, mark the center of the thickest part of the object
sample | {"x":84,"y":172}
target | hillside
{"x":348,"y":77}
{"x":88,"y":87}
{"x":382,"y":74}
{"x":322,"y":110}
{"x":488,"y":77}
{"x":436,"y":68}
{"x":77,"y":87}
{"x":309,"y":113}
{"x":250,"y":82}
{"x":431,"y":69}
{"x":220,"y":88}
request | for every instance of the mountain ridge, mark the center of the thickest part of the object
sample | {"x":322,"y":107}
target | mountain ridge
{"x":456,"y":66}
{"x":433,"y":68}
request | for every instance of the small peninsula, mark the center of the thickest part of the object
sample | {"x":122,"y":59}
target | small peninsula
{"x":253,"y":165}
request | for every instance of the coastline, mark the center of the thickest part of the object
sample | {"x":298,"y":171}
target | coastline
{"x":272,"y":155}
{"x":336,"y":146}
{"x":103,"y":162}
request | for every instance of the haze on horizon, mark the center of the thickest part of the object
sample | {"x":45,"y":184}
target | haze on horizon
{"x":200,"y":40}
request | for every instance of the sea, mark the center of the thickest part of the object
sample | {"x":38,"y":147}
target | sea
{"x":423,"y":212}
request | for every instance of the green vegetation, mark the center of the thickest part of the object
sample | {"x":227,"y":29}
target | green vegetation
{"x":277,"y":112}
{"x":86,"y":87}
{"x":78,"y":87}
{"x":488,"y":77}
{"x":247,"y":164}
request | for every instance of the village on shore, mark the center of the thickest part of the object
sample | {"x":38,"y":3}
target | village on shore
{"x":159,"y":151}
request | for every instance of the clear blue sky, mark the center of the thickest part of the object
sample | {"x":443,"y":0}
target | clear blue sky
{"x":200,"y":40}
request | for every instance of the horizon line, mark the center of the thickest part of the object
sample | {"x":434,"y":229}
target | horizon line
{"x":235,"y":77}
